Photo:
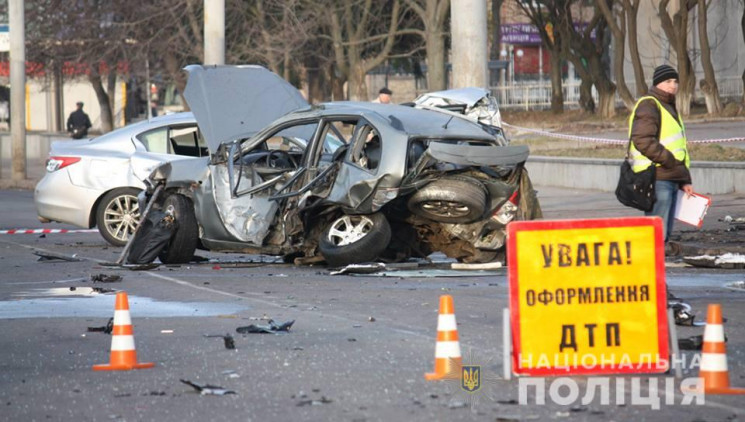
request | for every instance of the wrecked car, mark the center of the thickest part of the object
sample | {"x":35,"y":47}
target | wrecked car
{"x":348,"y":182}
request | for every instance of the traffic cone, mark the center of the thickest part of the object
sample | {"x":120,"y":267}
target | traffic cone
{"x":447,"y":349}
{"x":123,"y":353}
{"x":714,"y":355}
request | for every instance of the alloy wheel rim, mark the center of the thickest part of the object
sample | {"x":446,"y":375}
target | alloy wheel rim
{"x":121,"y":216}
{"x":348,"y":229}
{"x":445,"y":208}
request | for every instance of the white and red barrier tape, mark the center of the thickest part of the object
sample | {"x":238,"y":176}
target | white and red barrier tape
{"x":611,"y":141}
{"x":46,"y":231}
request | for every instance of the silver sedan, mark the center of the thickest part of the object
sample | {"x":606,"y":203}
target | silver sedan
{"x":95,"y":182}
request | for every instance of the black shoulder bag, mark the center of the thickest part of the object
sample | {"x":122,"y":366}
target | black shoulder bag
{"x":636,"y":190}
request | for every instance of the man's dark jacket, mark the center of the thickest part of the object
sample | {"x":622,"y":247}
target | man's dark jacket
{"x":80,"y":121}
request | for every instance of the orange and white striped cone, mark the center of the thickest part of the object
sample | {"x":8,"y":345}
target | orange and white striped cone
{"x":714,"y":355}
{"x":123,"y":353}
{"x":448,"y":360}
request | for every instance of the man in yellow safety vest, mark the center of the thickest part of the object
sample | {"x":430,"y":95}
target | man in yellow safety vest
{"x":658,"y":138}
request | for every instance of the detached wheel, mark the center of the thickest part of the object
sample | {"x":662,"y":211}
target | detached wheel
{"x":355,"y":238}
{"x":118,"y":215}
{"x":452,"y":200}
{"x":180,"y":249}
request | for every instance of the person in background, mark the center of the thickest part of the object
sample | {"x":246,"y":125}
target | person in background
{"x":78,"y":123}
{"x":384,"y":96}
{"x":658,"y":138}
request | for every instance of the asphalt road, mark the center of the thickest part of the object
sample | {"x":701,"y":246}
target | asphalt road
{"x":358,"y":350}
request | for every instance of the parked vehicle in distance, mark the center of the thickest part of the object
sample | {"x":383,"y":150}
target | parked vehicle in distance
{"x":95,"y":182}
{"x":396,"y":182}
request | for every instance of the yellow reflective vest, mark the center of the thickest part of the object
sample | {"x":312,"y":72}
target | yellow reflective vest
{"x":672,"y":137}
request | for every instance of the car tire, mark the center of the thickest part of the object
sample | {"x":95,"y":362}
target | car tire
{"x":353,"y":239}
{"x":451,"y":200}
{"x":185,"y":239}
{"x":117,"y":215}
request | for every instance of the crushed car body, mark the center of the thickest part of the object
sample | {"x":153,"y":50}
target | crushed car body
{"x":351,"y":182}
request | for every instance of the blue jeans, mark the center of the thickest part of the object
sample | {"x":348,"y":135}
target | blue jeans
{"x":666,"y":193}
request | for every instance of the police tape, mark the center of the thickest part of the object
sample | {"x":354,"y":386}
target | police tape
{"x":46,"y":231}
{"x":611,"y":141}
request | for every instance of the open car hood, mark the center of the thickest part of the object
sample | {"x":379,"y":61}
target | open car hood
{"x":232,"y":102}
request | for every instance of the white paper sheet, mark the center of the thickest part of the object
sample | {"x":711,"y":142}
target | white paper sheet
{"x":691,"y":209}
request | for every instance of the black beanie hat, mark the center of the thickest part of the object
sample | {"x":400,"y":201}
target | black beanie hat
{"x":663,"y":73}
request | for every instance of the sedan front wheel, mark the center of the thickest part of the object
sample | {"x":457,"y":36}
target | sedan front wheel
{"x":355,"y":238}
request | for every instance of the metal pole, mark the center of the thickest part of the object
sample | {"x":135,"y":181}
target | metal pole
{"x":469,"y":52}
{"x":17,"y":88}
{"x":214,"y":32}
{"x":147,"y":89}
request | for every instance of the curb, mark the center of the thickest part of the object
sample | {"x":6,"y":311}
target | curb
{"x":23,"y":184}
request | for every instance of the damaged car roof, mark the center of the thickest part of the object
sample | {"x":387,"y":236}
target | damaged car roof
{"x":408,"y":120}
{"x":230,"y":102}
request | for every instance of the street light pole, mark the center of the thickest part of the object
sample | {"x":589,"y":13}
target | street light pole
{"x":17,"y":88}
{"x":214,"y":32}
{"x":469,"y":53}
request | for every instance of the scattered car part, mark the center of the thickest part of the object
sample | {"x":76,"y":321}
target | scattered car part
{"x":158,"y":229}
{"x":271,"y":328}
{"x":105,"y":278}
{"x":207,"y":389}
{"x":153,"y":197}
{"x":185,"y":236}
{"x":227,"y":339}
{"x":361,"y":269}
{"x":106,"y":329}
{"x":51,"y":256}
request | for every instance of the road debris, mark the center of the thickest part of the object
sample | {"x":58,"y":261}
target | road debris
{"x":51,"y":256}
{"x":322,"y":400}
{"x":208,"y":390}
{"x":106,"y":329}
{"x":682,"y":313}
{"x":737,"y":223}
{"x":155,"y":234}
{"x":105,"y":278}
{"x":271,"y":328}
{"x":370,"y":268}
{"x":725,"y":261}
{"x":102,"y":290}
{"x":227,"y":338}
{"x":474,"y":266}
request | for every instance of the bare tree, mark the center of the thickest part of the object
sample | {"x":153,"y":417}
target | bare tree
{"x":363,"y":34}
{"x":433,"y":14}
{"x":94,"y":36}
{"x":586,"y":48}
{"x":709,"y":83}
{"x":545,"y":16}
{"x":676,"y":30}
{"x":616,"y":18}
{"x":496,"y":16}
{"x":274,"y":33}
{"x":632,"y":10}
